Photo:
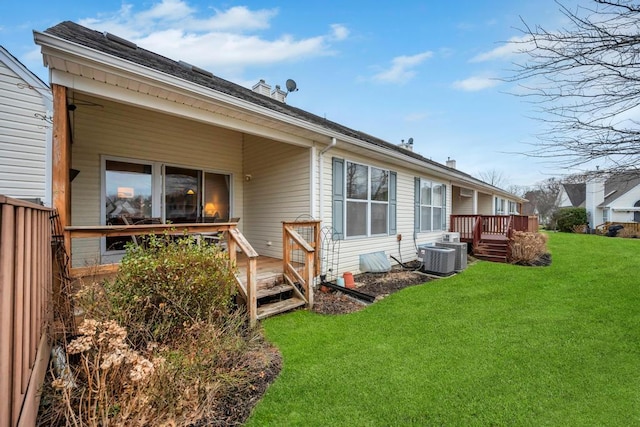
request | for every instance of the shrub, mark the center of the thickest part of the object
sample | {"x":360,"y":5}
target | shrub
{"x":178,"y":353}
{"x":567,"y":218}
{"x":170,"y":284}
{"x":527,"y":247}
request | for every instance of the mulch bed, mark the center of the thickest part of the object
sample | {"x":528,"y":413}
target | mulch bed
{"x":378,"y":285}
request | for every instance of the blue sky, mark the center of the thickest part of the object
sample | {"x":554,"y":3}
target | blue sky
{"x":427,"y":70}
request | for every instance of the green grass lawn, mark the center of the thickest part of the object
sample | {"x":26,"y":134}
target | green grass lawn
{"x":496,"y":345}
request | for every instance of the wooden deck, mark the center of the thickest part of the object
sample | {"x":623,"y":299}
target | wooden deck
{"x":269,"y":270}
{"x":488,"y":235}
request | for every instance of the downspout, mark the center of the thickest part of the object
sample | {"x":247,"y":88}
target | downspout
{"x":321,"y":172}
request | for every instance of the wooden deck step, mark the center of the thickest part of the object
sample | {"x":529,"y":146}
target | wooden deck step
{"x":274,"y":290}
{"x":492,"y":249}
{"x":492,"y":258}
{"x":278,"y":307}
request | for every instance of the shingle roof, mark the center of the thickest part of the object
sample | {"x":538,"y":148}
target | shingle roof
{"x":618,"y":185}
{"x":98,"y":41}
{"x":577,"y":193}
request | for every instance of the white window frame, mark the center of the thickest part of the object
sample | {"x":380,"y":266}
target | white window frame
{"x":513,"y":207}
{"x":431,"y":206}
{"x":500,"y":206}
{"x":366,"y":201}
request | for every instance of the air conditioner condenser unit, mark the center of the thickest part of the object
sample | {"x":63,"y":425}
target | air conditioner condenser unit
{"x":461,"y":253}
{"x":451,"y":236}
{"x":438,"y":261}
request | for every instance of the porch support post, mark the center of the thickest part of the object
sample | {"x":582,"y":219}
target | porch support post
{"x":61,"y":155}
{"x":475,"y":202}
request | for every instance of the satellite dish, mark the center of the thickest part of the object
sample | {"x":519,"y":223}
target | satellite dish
{"x":410,"y":141}
{"x":291,"y":85}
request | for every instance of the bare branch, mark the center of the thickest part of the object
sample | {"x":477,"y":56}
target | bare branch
{"x":584,"y":81}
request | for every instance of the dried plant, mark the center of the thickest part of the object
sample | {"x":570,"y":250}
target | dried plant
{"x":109,"y":376}
{"x":628,"y":233}
{"x":527,"y":247}
{"x":579,"y":229}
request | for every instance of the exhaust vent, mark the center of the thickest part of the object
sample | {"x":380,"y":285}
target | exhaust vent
{"x":120,"y":40}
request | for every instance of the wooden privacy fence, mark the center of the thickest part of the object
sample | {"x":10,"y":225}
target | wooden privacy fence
{"x":25,"y":302}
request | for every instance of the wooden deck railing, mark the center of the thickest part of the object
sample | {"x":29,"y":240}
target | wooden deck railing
{"x":472,"y":227}
{"x":235,"y":242}
{"x":25,"y":308}
{"x":465,"y":225}
{"x":301,"y":264}
{"x":631,"y":226}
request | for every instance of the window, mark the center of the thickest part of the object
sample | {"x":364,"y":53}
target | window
{"x":513,"y":208}
{"x":500,"y":206}
{"x":431,"y":205}
{"x":605,"y":215}
{"x":135,"y":191}
{"x":128,"y":193}
{"x":367,"y":191}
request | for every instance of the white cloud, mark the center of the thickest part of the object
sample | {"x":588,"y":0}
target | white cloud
{"x":167,"y":10}
{"x":474,"y":84}
{"x":340,"y":32}
{"x":402,"y":68}
{"x":238,"y":18}
{"x":507,"y":50}
{"x":223,"y":40}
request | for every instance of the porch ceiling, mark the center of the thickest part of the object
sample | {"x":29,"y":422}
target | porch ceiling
{"x":63,"y":67}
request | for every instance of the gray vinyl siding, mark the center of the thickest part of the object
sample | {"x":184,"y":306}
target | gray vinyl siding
{"x":350,"y":249}
{"x":104,"y":128}
{"x":22,"y":138}
{"x":279,"y":190}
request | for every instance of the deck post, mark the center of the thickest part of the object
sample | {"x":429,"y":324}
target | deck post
{"x":61,"y":155}
{"x":252,"y":290}
{"x":309,"y":270}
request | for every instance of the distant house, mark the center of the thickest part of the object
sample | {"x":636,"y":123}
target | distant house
{"x":25,"y":132}
{"x":613,"y":199}
{"x":177,"y":143}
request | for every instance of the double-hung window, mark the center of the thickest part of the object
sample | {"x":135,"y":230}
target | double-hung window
{"x":500,"y":206}
{"x":513,"y":208}
{"x":367,"y":191}
{"x":364,"y":200}
{"x":430,"y":205}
